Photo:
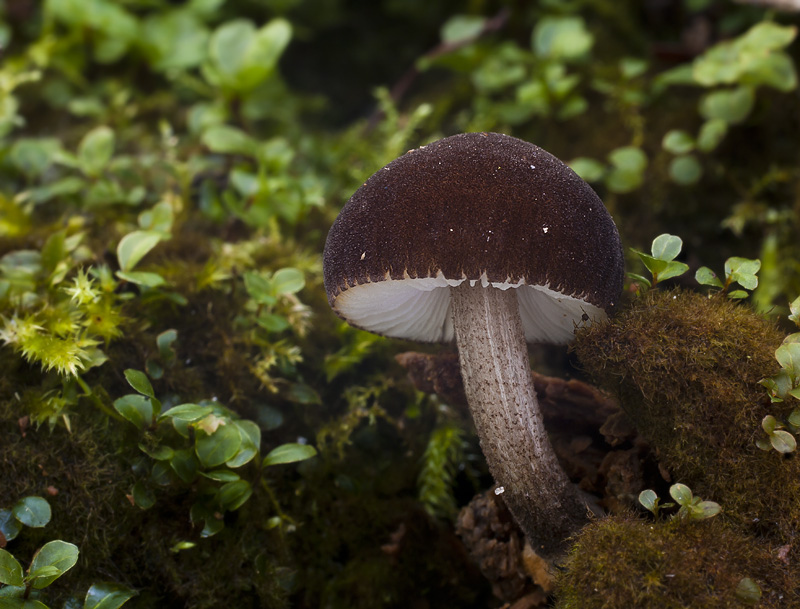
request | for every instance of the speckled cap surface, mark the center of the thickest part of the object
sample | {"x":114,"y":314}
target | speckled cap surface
{"x":481,"y":207}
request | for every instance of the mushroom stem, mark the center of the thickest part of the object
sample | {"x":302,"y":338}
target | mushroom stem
{"x":499,"y":388}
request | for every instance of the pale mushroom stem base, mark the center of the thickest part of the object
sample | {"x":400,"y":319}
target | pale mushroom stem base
{"x":499,"y":388}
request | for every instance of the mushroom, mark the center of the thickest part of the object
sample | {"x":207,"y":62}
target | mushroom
{"x":491,"y":241}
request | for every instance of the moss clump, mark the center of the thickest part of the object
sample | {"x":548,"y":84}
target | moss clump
{"x":625,"y":562}
{"x":686,"y":370}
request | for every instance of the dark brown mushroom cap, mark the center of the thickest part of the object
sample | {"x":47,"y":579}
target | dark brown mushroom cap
{"x":480,"y":206}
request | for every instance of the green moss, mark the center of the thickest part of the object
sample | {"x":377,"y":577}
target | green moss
{"x":686,"y":370}
{"x":624,"y":562}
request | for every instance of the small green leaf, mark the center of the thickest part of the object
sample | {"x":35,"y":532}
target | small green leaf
{"x":729,"y":105}
{"x":649,"y":500}
{"x":221,"y":446}
{"x":160,"y":452}
{"x":139,"y":381}
{"x":165,"y":341}
{"x":272,"y":322}
{"x":707,"y":509}
{"x":705,"y":276}
{"x":184,"y":464}
{"x":32,"y":511}
{"x":678,"y":142}
{"x":143,"y":497}
{"x":769,"y":424}
{"x":137,"y":409}
{"x":251,"y":441}
{"x":783,"y":441}
{"x":588,"y":169}
{"x":181,"y":546}
{"x":794,"y":309}
{"x":794,"y":418}
{"x":221,"y":475}
{"x":685,"y":170}
{"x":52,"y":560}
{"x":666,"y":247}
{"x":134,"y":246}
{"x":681,"y":494}
{"x":259,"y":288}
{"x":187,"y":412}
{"x":711,"y":134}
{"x":462,"y":27}
{"x":743,"y":271}
{"x":240,"y":56}
{"x":9,"y":525}
{"x":148,"y":280}
{"x":788,"y":356}
{"x":639,"y":279}
{"x":233,"y":495}
{"x":561,"y":38}
{"x":628,"y":158}
{"x":289,"y":453}
{"x":288,"y":281}
{"x":107,"y":595}
{"x":764,"y":444}
{"x":95,"y":150}
{"x":10,"y":569}
{"x":748,"y":591}
{"x":224,"y":139}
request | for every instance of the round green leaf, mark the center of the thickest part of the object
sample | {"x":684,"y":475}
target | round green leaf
{"x":233,"y":495}
{"x":666,"y":247}
{"x":729,"y":105}
{"x":95,"y":150}
{"x":711,"y":134}
{"x":288,"y":281}
{"x":705,"y":276}
{"x":681,"y":494}
{"x":783,"y":441}
{"x":32,"y":511}
{"x":107,"y":596}
{"x":462,"y":27}
{"x":225,"y":139}
{"x":769,"y":424}
{"x":708,"y":509}
{"x":9,"y":525}
{"x":628,"y":158}
{"x":788,"y":356}
{"x":221,"y":446}
{"x":10,"y":569}
{"x":138,"y":409}
{"x":184,"y":464}
{"x":251,"y":441}
{"x":685,"y":170}
{"x":134,"y":246}
{"x":53,"y":560}
{"x":561,"y":38}
{"x":143,"y":497}
{"x":623,"y":181}
{"x":748,"y":591}
{"x":588,"y":169}
{"x":648,"y":499}
{"x":289,"y":453}
{"x":677,"y":142}
{"x":139,"y":381}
